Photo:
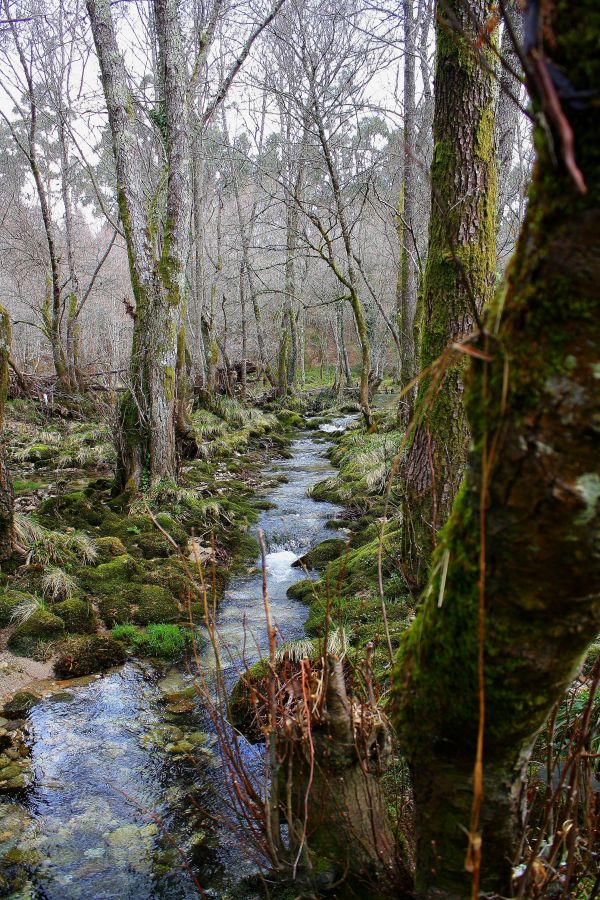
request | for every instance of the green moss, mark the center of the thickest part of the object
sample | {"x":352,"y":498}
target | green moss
{"x":112,"y":576}
{"x":75,"y":509}
{"x":114,"y":608}
{"x":109,"y":547}
{"x":41,"y":626}
{"x":23,"y":486}
{"x":165,"y":641}
{"x":302,"y":590}
{"x":172,"y":575}
{"x":154,"y":545}
{"x":86,"y":655}
{"x":9,"y":601}
{"x":76,"y":614}
{"x":323,"y":553}
{"x":152,"y":604}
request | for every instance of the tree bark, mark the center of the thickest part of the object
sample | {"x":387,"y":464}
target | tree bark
{"x":507,"y":111}
{"x":460,"y":269}
{"x":514,"y":594}
{"x":149,"y":409}
{"x":407,"y":287}
{"x":7,"y":523}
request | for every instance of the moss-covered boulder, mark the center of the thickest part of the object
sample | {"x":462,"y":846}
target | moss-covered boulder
{"x":244,"y":697}
{"x":329,"y":491}
{"x":42,"y":626}
{"x":77,"y":615}
{"x":19,"y":705}
{"x":109,"y":547}
{"x":41,"y":454}
{"x":112,"y":576}
{"x":81,"y":656}
{"x":173,"y":575}
{"x":74,"y":509}
{"x":303,"y":590}
{"x":153,"y":604}
{"x":126,"y":527}
{"x":154,"y":545}
{"x":290,"y":419}
{"x":323,"y":553}
{"x":9,"y":601}
{"x":115,"y":609}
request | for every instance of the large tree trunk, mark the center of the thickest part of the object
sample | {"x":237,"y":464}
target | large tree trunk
{"x":7,"y":523}
{"x":517,"y":571}
{"x":460,"y":270}
{"x":149,"y":409}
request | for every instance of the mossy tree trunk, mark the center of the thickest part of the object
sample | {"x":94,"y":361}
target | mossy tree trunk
{"x":7,"y":523}
{"x":519,"y":557}
{"x":460,"y":269}
{"x":407,"y":286}
{"x":156,"y":261}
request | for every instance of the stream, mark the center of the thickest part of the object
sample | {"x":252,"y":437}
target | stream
{"x":128,"y":794}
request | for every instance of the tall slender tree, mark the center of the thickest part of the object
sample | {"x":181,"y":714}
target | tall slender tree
{"x":460,"y":269}
{"x":157,"y":261}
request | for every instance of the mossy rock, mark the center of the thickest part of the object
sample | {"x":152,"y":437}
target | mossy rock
{"x":153,"y":604}
{"x":20,"y":705}
{"x":127,"y":528}
{"x":302,"y":590}
{"x":41,"y":454}
{"x":172,"y":575}
{"x":328,"y":491}
{"x":76,"y":614}
{"x":291,"y":419}
{"x":108,"y":577}
{"x":9,"y":601}
{"x":81,"y":656}
{"x":241,"y":706}
{"x":115,"y":609}
{"x":75,"y":509}
{"x":109,"y":547}
{"x":41,"y":625}
{"x":154,"y":545}
{"x":323,"y":553}
{"x":172,"y":527}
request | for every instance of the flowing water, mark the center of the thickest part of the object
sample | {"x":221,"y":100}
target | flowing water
{"x":128,"y":793}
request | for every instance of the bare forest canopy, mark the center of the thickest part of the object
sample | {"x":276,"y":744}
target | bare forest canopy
{"x":314,"y":106}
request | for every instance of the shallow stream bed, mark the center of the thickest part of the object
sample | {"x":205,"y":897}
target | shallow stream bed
{"x":128,"y":794}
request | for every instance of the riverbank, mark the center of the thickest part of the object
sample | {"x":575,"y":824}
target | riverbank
{"x":139,"y":732}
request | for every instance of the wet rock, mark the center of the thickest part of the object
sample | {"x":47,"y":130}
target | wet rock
{"x":181,"y":707}
{"x":181,"y":748}
{"x":19,"y":706}
{"x":323,"y":553}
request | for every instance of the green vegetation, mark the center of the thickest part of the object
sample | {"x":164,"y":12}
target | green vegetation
{"x":165,"y":641}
